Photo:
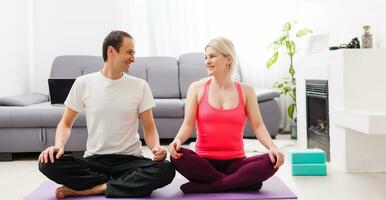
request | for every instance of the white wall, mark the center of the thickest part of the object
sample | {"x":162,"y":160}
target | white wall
{"x":344,"y":19}
{"x":13,"y":47}
{"x":78,"y":27}
{"x":69,"y":27}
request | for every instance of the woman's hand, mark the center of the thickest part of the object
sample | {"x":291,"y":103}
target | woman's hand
{"x":174,"y":147}
{"x":276,"y":157}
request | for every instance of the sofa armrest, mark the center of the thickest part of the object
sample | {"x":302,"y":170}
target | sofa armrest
{"x":23,"y":100}
{"x":266,"y":94}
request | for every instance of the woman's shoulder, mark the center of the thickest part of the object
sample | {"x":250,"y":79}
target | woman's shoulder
{"x":200,"y":83}
{"x":246,"y":88}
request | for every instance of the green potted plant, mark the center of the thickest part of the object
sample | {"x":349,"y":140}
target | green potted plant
{"x":286,"y":43}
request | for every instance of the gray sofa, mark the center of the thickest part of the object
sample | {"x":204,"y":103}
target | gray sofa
{"x":28,"y":122}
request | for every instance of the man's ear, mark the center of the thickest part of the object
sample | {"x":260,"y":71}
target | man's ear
{"x":110,"y":50}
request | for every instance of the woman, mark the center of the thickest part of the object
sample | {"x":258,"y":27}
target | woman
{"x":219,"y":105}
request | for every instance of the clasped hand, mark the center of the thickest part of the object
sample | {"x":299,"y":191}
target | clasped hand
{"x":159,"y":153}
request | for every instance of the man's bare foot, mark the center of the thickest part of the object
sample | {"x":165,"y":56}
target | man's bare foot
{"x":64,"y":191}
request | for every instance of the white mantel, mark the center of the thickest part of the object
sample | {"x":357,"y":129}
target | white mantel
{"x":357,"y":105}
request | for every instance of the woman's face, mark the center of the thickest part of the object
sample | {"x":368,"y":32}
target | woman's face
{"x":215,"y":62}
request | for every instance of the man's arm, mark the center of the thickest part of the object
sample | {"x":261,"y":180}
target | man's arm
{"x":63,"y":132}
{"x":151,"y":135}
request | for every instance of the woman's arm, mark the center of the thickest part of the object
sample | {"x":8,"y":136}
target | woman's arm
{"x":258,"y":126}
{"x":188,"y":124}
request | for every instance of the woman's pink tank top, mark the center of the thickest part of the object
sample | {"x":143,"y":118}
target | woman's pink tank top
{"x":220,"y":132}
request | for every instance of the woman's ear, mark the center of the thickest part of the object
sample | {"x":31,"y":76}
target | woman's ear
{"x":229,"y":59}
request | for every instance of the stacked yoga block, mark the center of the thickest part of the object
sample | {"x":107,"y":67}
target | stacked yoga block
{"x":308,"y":162}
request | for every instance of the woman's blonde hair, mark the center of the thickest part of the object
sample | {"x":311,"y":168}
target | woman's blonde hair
{"x":226,"y":48}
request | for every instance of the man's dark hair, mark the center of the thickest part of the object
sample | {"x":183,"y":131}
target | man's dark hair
{"x":114,"y":39}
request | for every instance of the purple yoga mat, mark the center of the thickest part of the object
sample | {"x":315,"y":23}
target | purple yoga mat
{"x":273,"y":188}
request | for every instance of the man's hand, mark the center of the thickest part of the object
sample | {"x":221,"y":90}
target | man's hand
{"x":159,"y":153}
{"x":174,"y":147}
{"x":276,"y":156}
{"x":48,"y":154}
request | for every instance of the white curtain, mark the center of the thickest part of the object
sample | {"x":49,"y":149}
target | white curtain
{"x":172,"y":27}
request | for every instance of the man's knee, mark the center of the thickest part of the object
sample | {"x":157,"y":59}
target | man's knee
{"x":47,"y":168}
{"x":50,"y":168}
{"x":167,"y":171}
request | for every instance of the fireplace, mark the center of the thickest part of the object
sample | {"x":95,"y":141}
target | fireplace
{"x":317,"y":115}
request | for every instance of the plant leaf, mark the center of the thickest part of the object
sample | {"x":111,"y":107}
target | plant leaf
{"x":277,"y":43}
{"x":291,"y":70}
{"x":279,"y":85}
{"x":303,"y":32}
{"x":291,"y":109}
{"x":283,"y":39}
{"x":272,"y":60}
{"x":275,"y":47}
{"x":291,"y":47}
{"x":287,"y":27}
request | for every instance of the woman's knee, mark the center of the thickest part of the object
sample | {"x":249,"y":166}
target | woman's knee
{"x":185,"y":153}
{"x":270,"y":164}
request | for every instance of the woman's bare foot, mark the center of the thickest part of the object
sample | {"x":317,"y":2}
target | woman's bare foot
{"x":64,"y":191}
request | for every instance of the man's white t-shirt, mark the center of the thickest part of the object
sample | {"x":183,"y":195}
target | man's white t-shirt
{"x":111,"y":108}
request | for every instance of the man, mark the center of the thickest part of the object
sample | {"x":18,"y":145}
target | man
{"x":113,"y":163}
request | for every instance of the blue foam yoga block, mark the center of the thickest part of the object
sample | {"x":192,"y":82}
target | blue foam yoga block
{"x":317,"y":169}
{"x":301,"y":156}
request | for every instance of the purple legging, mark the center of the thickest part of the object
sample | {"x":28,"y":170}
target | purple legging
{"x":207,"y":175}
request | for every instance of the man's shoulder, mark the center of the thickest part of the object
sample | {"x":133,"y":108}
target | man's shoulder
{"x":88,"y":77}
{"x":133,"y":79}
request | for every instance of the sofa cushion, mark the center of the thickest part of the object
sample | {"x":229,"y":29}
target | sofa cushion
{"x":23,"y":100}
{"x":266,"y":94}
{"x":37,"y":115}
{"x":73,"y":66}
{"x":162,"y":75}
{"x":138,"y":72}
{"x":168,"y":108}
{"x":192,"y":69}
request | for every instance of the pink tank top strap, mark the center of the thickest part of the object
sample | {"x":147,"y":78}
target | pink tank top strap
{"x":205,"y":96}
{"x":240,"y":94}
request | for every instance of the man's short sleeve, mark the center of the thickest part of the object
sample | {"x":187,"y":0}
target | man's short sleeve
{"x":147,"y":99}
{"x":75,"y":99}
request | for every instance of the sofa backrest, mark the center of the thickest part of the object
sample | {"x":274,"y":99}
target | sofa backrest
{"x":161,"y":74}
{"x":191,"y":67}
{"x":167,"y":77}
{"x":72,"y":66}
